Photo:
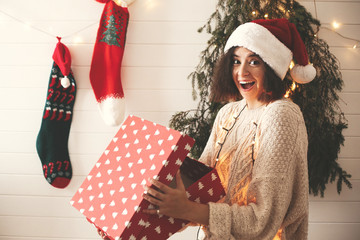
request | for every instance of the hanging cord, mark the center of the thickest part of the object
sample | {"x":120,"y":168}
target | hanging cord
{"x":227,"y":133}
{"x":316,"y":16}
{"x":352,"y":39}
{"x":222,"y":144}
{"x":253,"y":144}
{"x":357,"y":41}
{"x":198,"y":232}
{"x":43,"y":31}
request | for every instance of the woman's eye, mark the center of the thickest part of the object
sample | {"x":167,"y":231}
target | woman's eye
{"x":254,"y":62}
{"x":235,"y":61}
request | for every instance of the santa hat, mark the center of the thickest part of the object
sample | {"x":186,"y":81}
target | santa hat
{"x":276,"y":41}
{"x":62,"y":58}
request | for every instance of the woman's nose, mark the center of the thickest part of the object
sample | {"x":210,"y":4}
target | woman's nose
{"x":242,"y":70}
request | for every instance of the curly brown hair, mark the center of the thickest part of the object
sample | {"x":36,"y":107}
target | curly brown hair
{"x":223,"y":88}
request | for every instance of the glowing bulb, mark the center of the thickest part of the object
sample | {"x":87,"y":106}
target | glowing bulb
{"x":253,"y":13}
{"x":77,"y":40}
{"x":151,"y":4}
{"x":118,"y":2}
{"x":355,"y":46}
{"x":293,"y":86}
{"x":266,"y":15}
{"x":287,"y":94}
{"x":335,"y":24}
{"x":292,"y":64}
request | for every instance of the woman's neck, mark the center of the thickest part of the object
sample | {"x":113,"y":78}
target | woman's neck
{"x":254,"y":105}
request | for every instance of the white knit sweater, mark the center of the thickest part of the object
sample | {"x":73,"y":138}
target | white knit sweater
{"x":266,"y":153}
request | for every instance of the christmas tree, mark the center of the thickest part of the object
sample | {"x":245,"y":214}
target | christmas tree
{"x":110,"y":36}
{"x":318,"y":100}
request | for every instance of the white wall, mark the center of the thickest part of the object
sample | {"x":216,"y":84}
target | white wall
{"x":162,"y":48}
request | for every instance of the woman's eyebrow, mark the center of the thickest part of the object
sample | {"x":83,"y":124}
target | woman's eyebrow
{"x":254,"y":55}
{"x":251,"y":55}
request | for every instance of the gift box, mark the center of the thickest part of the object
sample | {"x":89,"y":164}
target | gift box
{"x":111,"y":195}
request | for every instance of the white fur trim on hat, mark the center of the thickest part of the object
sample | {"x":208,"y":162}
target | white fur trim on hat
{"x":303,"y":74}
{"x":261,"y":41}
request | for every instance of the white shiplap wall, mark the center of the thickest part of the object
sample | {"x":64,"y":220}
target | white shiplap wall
{"x":162,"y":48}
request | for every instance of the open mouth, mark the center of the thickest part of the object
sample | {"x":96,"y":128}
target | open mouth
{"x":247,"y":85}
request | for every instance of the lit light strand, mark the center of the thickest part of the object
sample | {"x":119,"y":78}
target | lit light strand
{"x":357,"y":41}
{"x":336,"y":25}
{"x":291,"y":90}
{"x":27,"y":24}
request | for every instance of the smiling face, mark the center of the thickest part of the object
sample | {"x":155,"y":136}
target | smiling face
{"x":248,"y":73}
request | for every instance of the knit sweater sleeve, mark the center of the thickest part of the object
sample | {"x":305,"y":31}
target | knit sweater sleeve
{"x":282,"y":143}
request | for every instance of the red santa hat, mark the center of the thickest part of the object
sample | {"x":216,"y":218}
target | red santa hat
{"x":62,"y":58}
{"x":276,"y":41}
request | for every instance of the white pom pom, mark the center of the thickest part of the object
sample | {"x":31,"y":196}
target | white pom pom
{"x":65,"y":82}
{"x":303,"y":74}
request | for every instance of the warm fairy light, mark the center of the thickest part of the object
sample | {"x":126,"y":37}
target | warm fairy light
{"x":335,"y":24}
{"x":77,"y":40}
{"x":292,"y":89}
{"x":287,"y":94}
{"x":118,"y":2}
{"x":150,"y":4}
{"x":278,"y":234}
{"x":253,"y":13}
{"x":266,"y":15}
{"x":292,"y":64}
{"x":281,"y":8}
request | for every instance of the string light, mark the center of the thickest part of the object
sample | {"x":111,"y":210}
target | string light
{"x":335,"y":24}
{"x":289,"y":91}
{"x":292,"y":64}
{"x":151,"y":4}
{"x":348,"y":38}
{"x":29,"y":25}
{"x":266,"y":15}
{"x":287,"y":94}
{"x":77,"y":40}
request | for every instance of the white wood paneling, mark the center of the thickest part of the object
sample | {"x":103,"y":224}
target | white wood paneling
{"x":351,"y":80}
{"x":348,"y":231}
{"x":343,"y":12}
{"x":162,"y":49}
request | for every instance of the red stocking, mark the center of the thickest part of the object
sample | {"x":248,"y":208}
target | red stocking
{"x":105,"y":72}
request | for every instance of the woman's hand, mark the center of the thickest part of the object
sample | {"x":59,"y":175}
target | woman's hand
{"x":102,"y":234}
{"x":171,"y":202}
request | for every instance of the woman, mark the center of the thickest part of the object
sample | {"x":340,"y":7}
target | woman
{"x":258,"y":145}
